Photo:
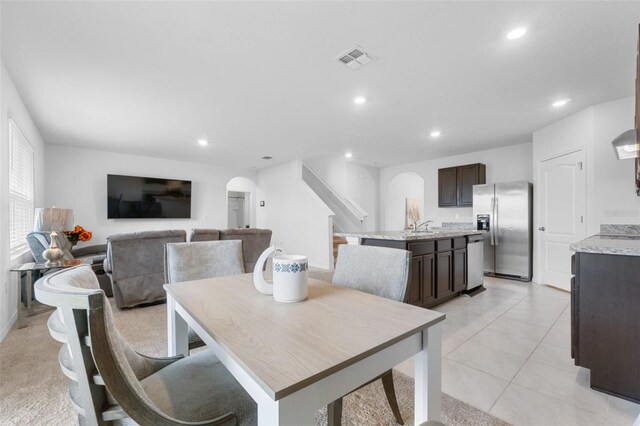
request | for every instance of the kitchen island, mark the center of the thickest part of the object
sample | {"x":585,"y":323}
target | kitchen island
{"x":605,"y":318}
{"x":439,"y":262}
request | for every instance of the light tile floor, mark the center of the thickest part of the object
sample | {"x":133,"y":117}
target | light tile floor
{"x":507,"y":351}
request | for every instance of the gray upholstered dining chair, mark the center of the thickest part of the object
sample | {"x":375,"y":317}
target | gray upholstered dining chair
{"x":376,"y":270}
{"x":199,"y":260}
{"x":110,"y":381}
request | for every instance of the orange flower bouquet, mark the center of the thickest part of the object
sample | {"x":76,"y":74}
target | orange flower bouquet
{"x":78,"y":234}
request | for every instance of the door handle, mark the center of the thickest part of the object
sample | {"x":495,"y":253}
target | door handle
{"x":492,"y":224}
{"x":496,"y":220}
{"x":542,"y":228}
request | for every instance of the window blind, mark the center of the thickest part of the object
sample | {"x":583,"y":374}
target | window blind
{"x":21,"y":191}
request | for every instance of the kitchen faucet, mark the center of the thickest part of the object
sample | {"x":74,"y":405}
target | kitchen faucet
{"x":416,"y":228}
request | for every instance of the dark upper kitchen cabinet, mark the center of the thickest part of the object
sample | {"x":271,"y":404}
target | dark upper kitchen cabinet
{"x":473,"y":174}
{"x":455,"y":184}
{"x":448,"y":187}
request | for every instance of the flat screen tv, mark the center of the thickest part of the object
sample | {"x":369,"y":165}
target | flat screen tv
{"x":134,"y":197}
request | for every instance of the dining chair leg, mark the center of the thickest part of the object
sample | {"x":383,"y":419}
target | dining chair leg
{"x":334,"y":413}
{"x":389,"y":390}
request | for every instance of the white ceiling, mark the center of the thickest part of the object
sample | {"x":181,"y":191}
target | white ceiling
{"x":259,"y":78}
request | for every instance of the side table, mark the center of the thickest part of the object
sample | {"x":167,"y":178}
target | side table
{"x":27,"y":308}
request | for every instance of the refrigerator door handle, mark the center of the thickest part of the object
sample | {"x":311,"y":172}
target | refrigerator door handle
{"x":492,"y":221}
{"x":496,"y":220}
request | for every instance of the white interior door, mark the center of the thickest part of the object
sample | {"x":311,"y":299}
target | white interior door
{"x":562,"y":198}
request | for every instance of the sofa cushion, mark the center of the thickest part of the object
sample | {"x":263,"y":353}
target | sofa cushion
{"x":254,"y":242}
{"x":204,"y":235}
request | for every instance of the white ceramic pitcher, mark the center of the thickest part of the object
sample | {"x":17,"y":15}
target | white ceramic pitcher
{"x":290,"y":276}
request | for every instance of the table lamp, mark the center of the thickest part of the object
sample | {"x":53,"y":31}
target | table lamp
{"x":53,"y":220}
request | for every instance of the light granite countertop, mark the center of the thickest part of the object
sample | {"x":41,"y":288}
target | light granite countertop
{"x":408,"y":235}
{"x":622,"y":240}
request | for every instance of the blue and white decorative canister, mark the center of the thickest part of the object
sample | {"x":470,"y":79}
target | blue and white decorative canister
{"x":290,"y":278}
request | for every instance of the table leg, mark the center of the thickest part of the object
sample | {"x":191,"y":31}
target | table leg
{"x":29,"y":285}
{"x":428,"y":375}
{"x":177,"y":330}
{"x":21,"y":322}
{"x":289,"y":411}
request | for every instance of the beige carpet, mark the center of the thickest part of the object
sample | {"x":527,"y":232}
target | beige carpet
{"x":33,"y":390}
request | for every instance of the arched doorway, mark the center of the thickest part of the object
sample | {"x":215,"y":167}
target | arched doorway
{"x":241,"y":212}
{"x":400,"y":187}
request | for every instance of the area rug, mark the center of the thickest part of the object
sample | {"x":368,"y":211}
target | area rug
{"x":33,"y":390}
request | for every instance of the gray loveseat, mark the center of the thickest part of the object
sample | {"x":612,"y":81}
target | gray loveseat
{"x":135,"y":264}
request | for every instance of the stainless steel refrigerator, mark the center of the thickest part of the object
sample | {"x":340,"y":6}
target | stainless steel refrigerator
{"x":505,"y":212}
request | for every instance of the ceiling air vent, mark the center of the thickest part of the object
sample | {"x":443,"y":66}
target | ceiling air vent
{"x":354,"y":58}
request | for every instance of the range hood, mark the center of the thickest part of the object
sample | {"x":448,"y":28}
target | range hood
{"x":626,"y":145}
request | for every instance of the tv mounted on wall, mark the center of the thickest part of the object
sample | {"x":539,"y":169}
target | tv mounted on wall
{"x":134,"y":197}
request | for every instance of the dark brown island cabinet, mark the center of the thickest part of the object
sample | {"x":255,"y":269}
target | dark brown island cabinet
{"x":455,"y":184}
{"x":438,"y":271}
{"x":605,"y":321}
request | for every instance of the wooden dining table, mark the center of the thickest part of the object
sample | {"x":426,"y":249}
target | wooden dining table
{"x":295,"y":358}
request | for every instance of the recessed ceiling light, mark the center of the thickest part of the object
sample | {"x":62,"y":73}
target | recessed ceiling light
{"x":516,"y":33}
{"x":360,"y":100}
{"x":435,"y":134}
{"x":348,"y":155}
{"x":267,"y":157}
{"x":560,"y":102}
{"x":203,"y":142}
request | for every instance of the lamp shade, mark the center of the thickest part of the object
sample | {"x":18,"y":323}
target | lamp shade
{"x":53,"y":219}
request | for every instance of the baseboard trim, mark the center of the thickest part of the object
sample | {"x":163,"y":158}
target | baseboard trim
{"x":7,"y":328}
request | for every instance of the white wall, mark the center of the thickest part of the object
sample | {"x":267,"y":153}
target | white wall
{"x":503,"y":165}
{"x":611,"y":196}
{"x":300,"y":221}
{"x":351,"y":179}
{"x":614,"y":185}
{"x":13,"y":106}
{"x":400,"y":187}
{"x":77,"y":179}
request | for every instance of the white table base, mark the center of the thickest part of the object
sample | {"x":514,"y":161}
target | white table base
{"x":299,"y":407}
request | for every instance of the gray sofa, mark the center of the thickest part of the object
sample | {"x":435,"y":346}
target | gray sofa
{"x":204,"y":235}
{"x":39,"y":242}
{"x":254,"y":241}
{"x":135,"y":264}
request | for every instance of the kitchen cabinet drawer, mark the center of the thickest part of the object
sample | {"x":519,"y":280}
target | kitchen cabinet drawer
{"x":443,"y":245}
{"x":424,"y":247}
{"x":460,"y":243}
